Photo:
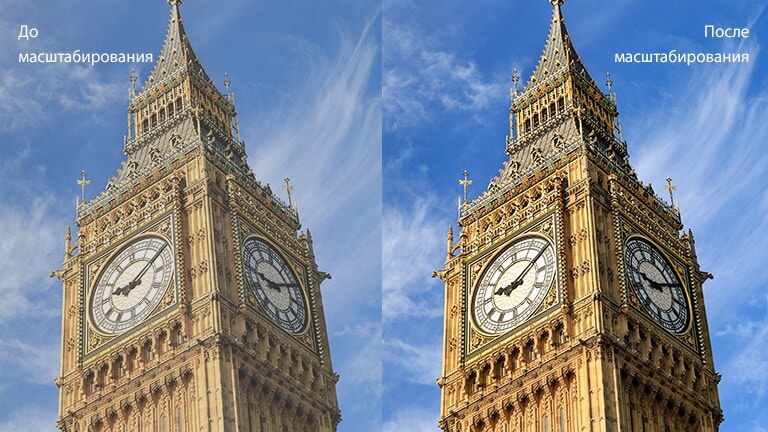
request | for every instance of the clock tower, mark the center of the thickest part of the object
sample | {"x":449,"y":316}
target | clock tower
{"x":573,"y":297}
{"x":191,"y":297}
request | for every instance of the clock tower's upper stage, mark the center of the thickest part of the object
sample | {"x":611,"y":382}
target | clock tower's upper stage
{"x":560,"y":104}
{"x":177,"y":110}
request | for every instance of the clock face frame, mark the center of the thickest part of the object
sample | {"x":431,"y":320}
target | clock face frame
{"x":514,"y":284}
{"x":656,"y":284}
{"x":275,"y":286}
{"x":132,"y":284}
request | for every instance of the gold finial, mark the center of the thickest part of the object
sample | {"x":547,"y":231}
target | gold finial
{"x":465,"y":182}
{"x":288,"y":188}
{"x":83,"y":183}
{"x":670,"y":187}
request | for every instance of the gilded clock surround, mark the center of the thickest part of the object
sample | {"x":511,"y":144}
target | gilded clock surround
{"x":591,"y":357}
{"x":544,"y":227}
{"x":206,"y":357}
{"x":162,"y":228}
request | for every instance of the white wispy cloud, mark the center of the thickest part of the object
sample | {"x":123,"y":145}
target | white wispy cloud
{"x":360,"y":385}
{"x":364,"y":369}
{"x":33,"y":362}
{"x":30,"y":420}
{"x":31,"y":93}
{"x":17,"y":110}
{"x":327,"y":138}
{"x":745,"y":370}
{"x":412,"y":420}
{"x":31,"y":246}
{"x":749,"y":367}
{"x":27,"y":251}
{"x":411,"y":252}
{"x":419,"y":73}
{"x":418,"y":363}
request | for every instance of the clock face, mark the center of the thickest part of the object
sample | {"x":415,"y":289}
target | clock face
{"x":132,"y":285}
{"x":656,"y":284}
{"x":274,"y":285}
{"x":514,"y":285}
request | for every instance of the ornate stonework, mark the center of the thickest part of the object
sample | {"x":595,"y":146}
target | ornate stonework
{"x":597,"y":351}
{"x":197,"y":350}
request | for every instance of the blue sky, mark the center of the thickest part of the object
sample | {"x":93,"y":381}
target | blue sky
{"x":307,"y":80}
{"x":445,"y":89}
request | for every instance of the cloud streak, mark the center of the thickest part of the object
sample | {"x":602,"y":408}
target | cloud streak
{"x":30,"y":419}
{"x":418,"y":363}
{"x":412,"y":420}
{"x":411,"y":248}
{"x":419,"y":75}
{"x":27,"y":255}
{"x":33,"y":93}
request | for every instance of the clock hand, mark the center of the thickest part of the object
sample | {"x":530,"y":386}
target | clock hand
{"x":270,"y":283}
{"x":507,"y":290}
{"x":125,"y":290}
{"x":655,"y":285}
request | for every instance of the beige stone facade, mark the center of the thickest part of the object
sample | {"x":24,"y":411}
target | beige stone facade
{"x":573,"y":299}
{"x":191,"y":298}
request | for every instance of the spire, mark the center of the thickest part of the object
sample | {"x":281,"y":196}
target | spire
{"x":559,"y":54}
{"x":177,"y":55}
{"x":559,"y":87}
{"x":178,"y":87}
